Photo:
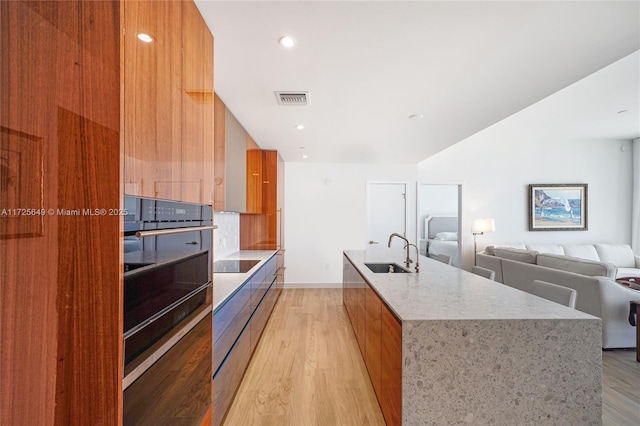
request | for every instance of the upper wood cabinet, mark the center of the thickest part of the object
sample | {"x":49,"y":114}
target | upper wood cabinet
{"x":197,"y":108}
{"x":167,"y":105}
{"x":219,"y":131}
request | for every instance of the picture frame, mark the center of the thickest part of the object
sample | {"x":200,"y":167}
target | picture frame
{"x":558,"y":207}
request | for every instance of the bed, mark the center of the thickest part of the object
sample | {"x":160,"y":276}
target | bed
{"x":441,"y":233}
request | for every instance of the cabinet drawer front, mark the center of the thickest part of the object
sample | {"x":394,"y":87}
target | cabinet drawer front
{"x":226,"y":315}
{"x":228,"y":377}
{"x":270,"y":268}
{"x":258,"y":289}
{"x":227,"y":338}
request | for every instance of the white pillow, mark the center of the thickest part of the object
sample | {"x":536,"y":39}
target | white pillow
{"x":447,"y":236}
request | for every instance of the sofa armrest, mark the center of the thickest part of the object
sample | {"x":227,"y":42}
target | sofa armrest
{"x":637,"y":259}
{"x":490,"y":262}
{"x":615,"y":298}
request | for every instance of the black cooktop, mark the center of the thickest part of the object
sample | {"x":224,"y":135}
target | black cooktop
{"x":233,"y":266}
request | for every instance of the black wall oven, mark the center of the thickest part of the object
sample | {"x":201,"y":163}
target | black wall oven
{"x":167,"y":311}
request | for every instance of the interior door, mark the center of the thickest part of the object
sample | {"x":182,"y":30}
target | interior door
{"x":386,"y":211}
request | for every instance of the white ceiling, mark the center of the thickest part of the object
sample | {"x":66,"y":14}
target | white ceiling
{"x":369,"y":65}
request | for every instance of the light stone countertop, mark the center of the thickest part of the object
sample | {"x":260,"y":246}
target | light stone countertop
{"x":444,"y":292}
{"x":226,"y":284}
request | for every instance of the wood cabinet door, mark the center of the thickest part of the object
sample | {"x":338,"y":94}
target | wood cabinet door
{"x":197,"y":107}
{"x":279,"y":202}
{"x":151,"y":104}
{"x":391,"y":399}
{"x":373,"y":351}
{"x":219,"y":132}
{"x":360,"y":311}
{"x":270,"y":195}
{"x":254,"y":181}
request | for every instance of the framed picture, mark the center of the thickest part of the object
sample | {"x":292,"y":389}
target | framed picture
{"x":558,"y":207}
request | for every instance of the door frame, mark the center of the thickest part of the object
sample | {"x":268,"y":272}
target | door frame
{"x":461,"y":235}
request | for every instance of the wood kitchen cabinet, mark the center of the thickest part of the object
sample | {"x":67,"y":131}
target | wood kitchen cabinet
{"x":60,"y":274}
{"x":391,"y":367}
{"x":197,"y":182}
{"x":373,"y":338}
{"x":264,"y":231}
{"x":167,"y":106}
{"x":219,"y":167}
{"x":238,"y":164}
{"x":379,"y":336}
{"x":238,"y":326}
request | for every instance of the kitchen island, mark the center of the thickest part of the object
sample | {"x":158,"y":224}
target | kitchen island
{"x":473,"y":351}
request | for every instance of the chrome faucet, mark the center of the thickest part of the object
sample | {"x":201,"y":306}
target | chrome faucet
{"x":408,"y":260}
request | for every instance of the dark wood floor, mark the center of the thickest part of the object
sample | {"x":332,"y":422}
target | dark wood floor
{"x":310,"y":338}
{"x":620,"y":388}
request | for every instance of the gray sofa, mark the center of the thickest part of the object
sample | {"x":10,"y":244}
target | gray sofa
{"x":594,"y":280}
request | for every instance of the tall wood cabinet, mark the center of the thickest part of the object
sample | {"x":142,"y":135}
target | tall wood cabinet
{"x":65,"y":124}
{"x":167,"y":106}
{"x":60,"y":268}
{"x":264,"y":230}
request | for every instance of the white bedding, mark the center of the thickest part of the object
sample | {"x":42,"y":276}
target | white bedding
{"x":450,"y":248}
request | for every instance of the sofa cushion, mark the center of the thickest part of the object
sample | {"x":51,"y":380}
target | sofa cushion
{"x":490,"y":249}
{"x":583,"y":251}
{"x":620,"y":255}
{"x":519,"y":255}
{"x":628,"y":272}
{"x":546,"y":248}
{"x":577,"y":266}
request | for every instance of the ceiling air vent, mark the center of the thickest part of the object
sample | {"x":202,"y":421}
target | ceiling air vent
{"x":293,"y":98}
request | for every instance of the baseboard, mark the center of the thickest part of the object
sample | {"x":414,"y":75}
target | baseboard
{"x":312,"y":285}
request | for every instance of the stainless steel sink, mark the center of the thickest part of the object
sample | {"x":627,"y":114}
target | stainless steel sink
{"x":386,"y":268}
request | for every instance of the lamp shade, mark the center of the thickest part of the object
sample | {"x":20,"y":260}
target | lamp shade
{"x":484,"y":225}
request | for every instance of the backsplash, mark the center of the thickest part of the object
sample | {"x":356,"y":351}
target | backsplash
{"x":227,"y":236}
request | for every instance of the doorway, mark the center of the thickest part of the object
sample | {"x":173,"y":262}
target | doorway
{"x":439,"y":218}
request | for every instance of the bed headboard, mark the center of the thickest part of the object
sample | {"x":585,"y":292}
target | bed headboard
{"x":434,"y":224}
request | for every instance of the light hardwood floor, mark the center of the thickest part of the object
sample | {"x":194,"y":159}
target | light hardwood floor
{"x":307,"y":370}
{"x":620,"y":388}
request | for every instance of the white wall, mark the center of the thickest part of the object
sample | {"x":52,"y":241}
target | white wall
{"x":325,"y":213}
{"x":549,"y":142}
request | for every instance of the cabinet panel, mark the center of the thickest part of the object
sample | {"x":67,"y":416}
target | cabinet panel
{"x":151,"y":105}
{"x":229,"y":376}
{"x":279,"y":202}
{"x":280,"y":269}
{"x":391,"y":398}
{"x":235,"y":164}
{"x":60,"y":148}
{"x":373,"y":325}
{"x":270,"y":195}
{"x":254,"y":181}
{"x":360,"y":300}
{"x":220,"y":181}
{"x":258,"y":320}
{"x":227,"y":328}
{"x":197,"y":107}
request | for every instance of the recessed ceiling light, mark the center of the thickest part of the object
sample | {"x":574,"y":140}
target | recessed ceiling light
{"x":416,"y":116}
{"x":145,"y":37}
{"x":305,"y":156}
{"x":287,"y":41}
{"x":299,"y":127}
